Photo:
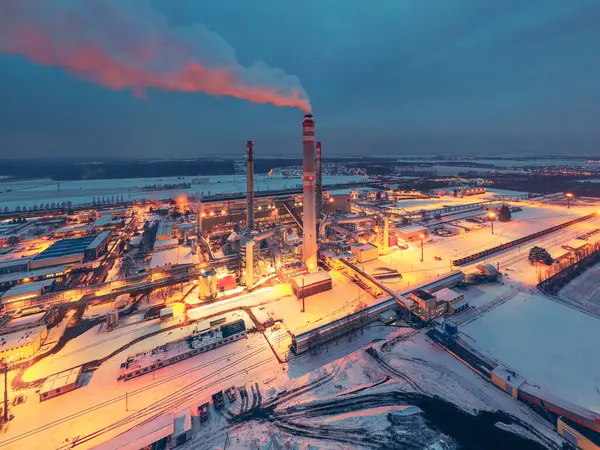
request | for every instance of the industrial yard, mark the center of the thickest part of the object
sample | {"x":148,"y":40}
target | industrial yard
{"x":328,"y":304}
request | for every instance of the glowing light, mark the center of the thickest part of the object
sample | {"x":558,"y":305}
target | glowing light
{"x":569,"y":195}
{"x":212,"y":213}
{"x":492,"y":215}
{"x":223,"y":212}
{"x":260,"y":208}
{"x":422,"y":236}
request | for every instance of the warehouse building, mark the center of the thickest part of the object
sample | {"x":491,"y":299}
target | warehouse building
{"x":72,"y":251}
{"x":12,"y":279}
{"x":73,"y":231}
{"x":21,"y":294}
{"x":164,"y":432}
{"x":411,"y":233}
{"x":364,"y":252}
{"x":14,"y":265}
{"x":578,"y":435}
{"x":22,"y":344}
{"x":108,"y":221}
{"x":165,"y":230}
{"x":60,"y":383}
{"x":311,"y":284}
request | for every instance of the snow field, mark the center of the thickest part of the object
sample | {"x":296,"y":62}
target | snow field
{"x":550,"y":344}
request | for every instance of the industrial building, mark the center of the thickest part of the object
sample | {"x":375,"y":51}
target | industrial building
{"x":12,"y":279}
{"x":22,"y":344}
{"x":448,"y":296}
{"x":577,"y":435}
{"x":72,"y":251}
{"x":73,"y":231}
{"x":60,"y":383}
{"x":311,"y":283}
{"x":164,"y":432}
{"x":20,"y":295}
{"x":364,"y":252}
{"x":14,"y":265}
{"x":165,"y":230}
{"x":412,"y":232}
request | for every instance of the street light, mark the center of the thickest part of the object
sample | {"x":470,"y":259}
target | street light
{"x":422,"y":236}
{"x":569,"y":197}
{"x":492,"y":216}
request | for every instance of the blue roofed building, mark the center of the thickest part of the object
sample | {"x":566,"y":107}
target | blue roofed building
{"x":72,"y":251}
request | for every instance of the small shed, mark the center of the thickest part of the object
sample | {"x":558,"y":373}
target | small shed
{"x":60,"y":383}
{"x":182,"y":427}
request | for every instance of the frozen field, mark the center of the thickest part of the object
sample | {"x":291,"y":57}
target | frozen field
{"x":550,"y":344}
{"x":34,"y":192}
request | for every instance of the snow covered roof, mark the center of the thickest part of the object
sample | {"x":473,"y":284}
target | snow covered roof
{"x":22,"y":337}
{"x":412,"y":229}
{"x":166,"y":243}
{"x":27,"y":289}
{"x":17,"y":276}
{"x":364,"y":247}
{"x":312,"y":278}
{"x":447,"y":295}
{"x":141,"y":435}
{"x":61,"y":379}
{"x":182,"y":422}
{"x":510,"y":377}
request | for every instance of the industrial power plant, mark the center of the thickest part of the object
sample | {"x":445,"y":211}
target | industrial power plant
{"x":245,"y":277}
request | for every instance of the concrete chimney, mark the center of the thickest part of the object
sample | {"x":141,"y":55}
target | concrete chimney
{"x":309,"y":223}
{"x":319,"y":181}
{"x":250,"y":185}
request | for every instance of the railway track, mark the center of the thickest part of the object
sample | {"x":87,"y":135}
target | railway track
{"x":122,"y":397}
{"x":373,"y":353}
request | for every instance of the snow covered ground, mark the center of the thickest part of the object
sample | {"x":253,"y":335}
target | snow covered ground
{"x":351,"y":401}
{"x":513,"y":262}
{"x":584,"y":291}
{"x":547,"y":342}
{"x":109,"y":407}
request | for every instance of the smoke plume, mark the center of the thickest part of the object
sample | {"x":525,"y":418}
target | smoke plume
{"x":123,"y":45}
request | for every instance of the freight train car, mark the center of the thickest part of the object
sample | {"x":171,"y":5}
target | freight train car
{"x":173,"y":352}
{"x":559,"y":407}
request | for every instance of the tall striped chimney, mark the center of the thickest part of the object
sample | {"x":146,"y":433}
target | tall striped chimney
{"x":250,"y":185}
{"x":319,"y":181}
{"x":309,"y":226}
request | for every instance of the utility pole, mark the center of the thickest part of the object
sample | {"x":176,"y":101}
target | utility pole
{"x":303,"y":294}
{"x":5,"y":391}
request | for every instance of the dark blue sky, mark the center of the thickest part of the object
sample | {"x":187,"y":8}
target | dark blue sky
{"x":384,"y":77}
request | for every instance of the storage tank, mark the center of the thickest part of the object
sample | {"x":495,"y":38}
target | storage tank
{"x":207,"y":285}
